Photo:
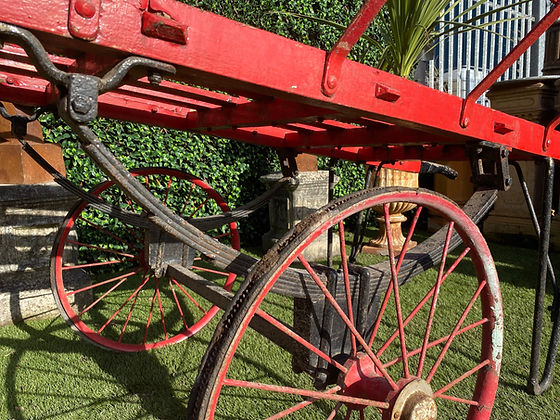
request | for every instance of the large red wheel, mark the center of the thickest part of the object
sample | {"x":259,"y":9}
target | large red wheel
{"x":433,"y":349}
{"x":101,"y":278}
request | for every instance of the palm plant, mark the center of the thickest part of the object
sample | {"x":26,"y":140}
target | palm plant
{"x":410,"y":27}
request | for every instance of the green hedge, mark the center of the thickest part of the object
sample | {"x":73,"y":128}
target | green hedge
{"x":232,"y":168}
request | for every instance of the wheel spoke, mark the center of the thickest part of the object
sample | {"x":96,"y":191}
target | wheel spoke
{"x":454,"y":332}
{"x":465,"y":375}
{"x":409,"y":237}
{"x":97,"y":264}
{"x":167,"y":190}
{"x":101,"y":283}
{"x":395,"y":282}
{"x":300,"y":340}
{"x":199,"y":207}
{"x":345,"y":319}
{"x":112,"y":251}
{"x":303,"y":392}
{"x":439,"y":341}
{"x":106,"y":232}
{"x":178,"y":305}
{"x":222,"y":235}
{"x":342,"y":244}
{"x":335,"y":411}
{"x":135,"y":293}
{"x":189,"y":296}
{"x":434,"y":299}
{"x":187,"y":200}
{"x":122,"y":278}
{"x":133,"y":232}
{"x":459,"y":400}
{"x":161,"y":309}
{"x":118,"y":310}
{"x":209,"y":270}
{"x":301,"y":405}
{"x":150,"y":316}
{"x":380,"y":317}
{"x":422,"y":302}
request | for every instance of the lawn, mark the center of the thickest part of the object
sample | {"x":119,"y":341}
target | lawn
{"x":49,"y":373}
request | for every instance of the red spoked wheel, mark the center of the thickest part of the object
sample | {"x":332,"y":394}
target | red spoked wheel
{"x":432,"y":351}
{"x":101,"y":277}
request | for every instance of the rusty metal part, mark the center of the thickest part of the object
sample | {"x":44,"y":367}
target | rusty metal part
{"x":415,"y":401}
{"x":222,"y":298}
{"x":156,"y":26}
{"x":537,"y":385}
{"x":490,"y":167}
{"x":210,"y":222}
{"x":297,"y":284}
{"x":159,"y":214}
{"x":259,"y":282}
{"x":82,"y":91}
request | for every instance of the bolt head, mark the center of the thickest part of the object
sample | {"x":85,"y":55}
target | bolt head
{"x":85,"y":8}
{"x":82,"y":104}
{"x":155,"y":78}
{"x":332,"y":81}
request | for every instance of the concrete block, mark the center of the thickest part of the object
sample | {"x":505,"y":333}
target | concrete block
{"x":293,"y":204}
{"x":29,"y":219}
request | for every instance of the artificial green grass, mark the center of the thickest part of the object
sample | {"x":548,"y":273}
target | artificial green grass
{"x":48,"y":373}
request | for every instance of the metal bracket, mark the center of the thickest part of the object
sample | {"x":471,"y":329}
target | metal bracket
{"x":19,"y":122}
{"x":549,"y":129}
{"x":288,"y":163}
{"x":489,"y":164}
{"x":83,"y":92}
{"x":507,"y":61}
{"x":83,"y":19}
{"x":158,"y":22}
{"x":354,"y":31}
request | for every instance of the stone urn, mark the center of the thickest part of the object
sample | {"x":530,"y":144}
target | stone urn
{"x":378,"y":245}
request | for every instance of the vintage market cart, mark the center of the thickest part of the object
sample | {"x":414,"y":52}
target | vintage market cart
{"x":408,"y":336}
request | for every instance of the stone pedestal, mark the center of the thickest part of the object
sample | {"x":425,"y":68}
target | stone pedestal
{"x":29,"y":219}
{"x":31,"y":209}
{"x":294,"y":203}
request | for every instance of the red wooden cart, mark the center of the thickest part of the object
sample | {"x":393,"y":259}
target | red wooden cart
{"x":361,"y":338}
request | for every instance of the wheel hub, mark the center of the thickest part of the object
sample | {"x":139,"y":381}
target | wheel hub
{"x":362,"y":380}
{"x":413,"y":400}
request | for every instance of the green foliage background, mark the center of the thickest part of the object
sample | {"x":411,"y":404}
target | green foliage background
{"x":232,"y":168}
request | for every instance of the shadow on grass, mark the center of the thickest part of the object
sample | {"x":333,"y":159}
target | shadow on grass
{"x":153,"y":384}
{"x":140,"y":377}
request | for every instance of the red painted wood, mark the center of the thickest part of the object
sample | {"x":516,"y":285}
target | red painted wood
{"x":232,"y":57}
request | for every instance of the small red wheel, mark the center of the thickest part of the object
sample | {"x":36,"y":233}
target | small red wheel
{"x":433,"y":348}
{"x":103,"y":284}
